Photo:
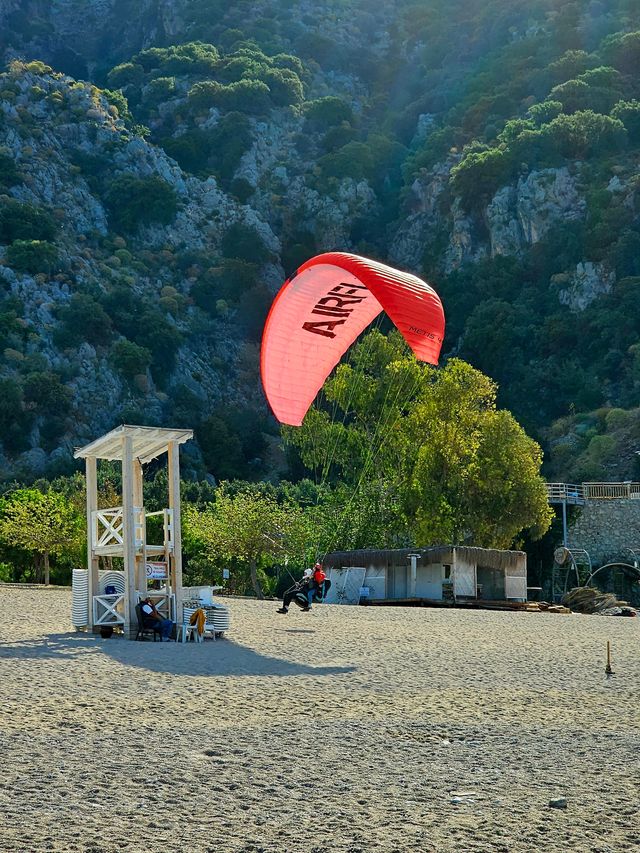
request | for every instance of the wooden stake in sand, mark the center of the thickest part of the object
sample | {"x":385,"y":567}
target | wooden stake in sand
{"x":607,"y":668}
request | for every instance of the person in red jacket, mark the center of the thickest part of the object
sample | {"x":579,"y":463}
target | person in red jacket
{"x":317,"y":580}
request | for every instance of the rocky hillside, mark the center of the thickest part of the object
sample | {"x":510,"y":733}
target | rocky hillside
{"x":159,"y":179}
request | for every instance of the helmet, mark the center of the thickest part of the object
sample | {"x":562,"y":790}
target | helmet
{"x":318,"y":566}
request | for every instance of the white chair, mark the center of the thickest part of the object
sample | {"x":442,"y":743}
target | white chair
{"x":189,"y":630}
{"x":217,"y":619}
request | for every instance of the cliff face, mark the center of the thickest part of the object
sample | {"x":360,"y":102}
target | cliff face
{"x":145,"y":226}
{"x":70,"y":146}
{"x":518,"y":216}
{"x":78,"y":35}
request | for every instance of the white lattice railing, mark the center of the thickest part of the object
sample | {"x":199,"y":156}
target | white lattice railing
{"x":107,"y":528}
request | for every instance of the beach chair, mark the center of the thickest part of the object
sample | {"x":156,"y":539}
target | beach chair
{"x":143,"y":630}
{"x":217,"y":622}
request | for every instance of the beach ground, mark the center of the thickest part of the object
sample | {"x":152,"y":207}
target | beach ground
{"x":344,"y":730}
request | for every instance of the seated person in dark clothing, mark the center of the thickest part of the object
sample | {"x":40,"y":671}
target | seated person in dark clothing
{"x":151,"y":618}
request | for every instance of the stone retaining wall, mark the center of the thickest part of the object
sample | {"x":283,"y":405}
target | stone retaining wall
{"x":605,"y":528}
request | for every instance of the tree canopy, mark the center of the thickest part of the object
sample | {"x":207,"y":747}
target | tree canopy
{"x":429,"y":445}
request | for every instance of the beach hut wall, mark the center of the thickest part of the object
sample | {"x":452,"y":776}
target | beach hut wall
{"x":473,"y":572}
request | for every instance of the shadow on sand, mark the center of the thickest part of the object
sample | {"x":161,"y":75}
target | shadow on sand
{"x":222,"y":657}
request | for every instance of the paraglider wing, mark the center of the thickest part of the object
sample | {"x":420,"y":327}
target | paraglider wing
{"x":322,"y":309}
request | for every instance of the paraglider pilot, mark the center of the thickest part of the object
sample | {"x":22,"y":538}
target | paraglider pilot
{"x":304,"y":586}
{"x":317,"y":579}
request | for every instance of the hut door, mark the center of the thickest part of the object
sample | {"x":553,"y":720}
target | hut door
{"x":464,"y":580}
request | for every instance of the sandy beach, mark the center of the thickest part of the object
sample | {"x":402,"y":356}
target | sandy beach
{"x":344,"y":730}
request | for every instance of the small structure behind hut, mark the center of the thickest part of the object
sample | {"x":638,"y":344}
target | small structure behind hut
{"x":438,"y":574}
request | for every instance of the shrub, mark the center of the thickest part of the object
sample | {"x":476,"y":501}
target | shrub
{"x":225,"y":282}
{"x":83,"y":319}
{"x":130,"y":359}
{"x":230,"y":138}
{"x":545,"y":112}
{"x":189,"y":58}
{"x":249,"y":96}
{"x":32,"y":256}
{"x":159,"y":90}
{"x":242,"y":189}
{"x":585,"y":134}
{"x":622,"y":50}
{"x":191,"y":150}
{"x":244,"y":243}
{"x":353,"y":160}
{"x":134,"y":201}
{"x":9,"y":174}
{"x":575,"y":95}
{"x":205,"y":95}
{"x":570,"y":65}
{"x":126,"y":74}
{"x":22,"y":221}
{"x":628,"y":112}
{"x":119,"y":101}
{"x":284,"y":85}
{"x":480,"y":175}
{"x":13,"y":431}
{"x":286,"y":60}
{"x":45,"y":393}
{"x":328,"y":111}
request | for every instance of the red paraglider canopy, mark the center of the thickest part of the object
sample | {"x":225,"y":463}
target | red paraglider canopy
{"x":321,"y":310}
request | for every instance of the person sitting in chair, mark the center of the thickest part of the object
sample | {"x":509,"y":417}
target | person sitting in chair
{"x":151,"y":618}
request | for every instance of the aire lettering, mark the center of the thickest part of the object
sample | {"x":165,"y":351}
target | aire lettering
{"x":336,"y":306}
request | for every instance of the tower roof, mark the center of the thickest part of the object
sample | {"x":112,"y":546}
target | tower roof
{"x":148,"y":442}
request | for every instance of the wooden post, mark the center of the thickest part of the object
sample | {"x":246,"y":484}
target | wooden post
{"x":129,"y":534}
{"x":173,"y":451}
{"x":91,"y":468}
{"x":608,"y":669}
{"x":138,"y":502}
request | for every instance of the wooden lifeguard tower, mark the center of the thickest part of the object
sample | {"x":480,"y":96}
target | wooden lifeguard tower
{"x":122,"y":531}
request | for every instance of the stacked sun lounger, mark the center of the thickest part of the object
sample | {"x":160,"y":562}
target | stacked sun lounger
{"x":217,"y":615}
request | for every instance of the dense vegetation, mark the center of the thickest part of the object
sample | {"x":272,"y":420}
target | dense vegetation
{"x":424,"y":456}
{"x":490,"y":146}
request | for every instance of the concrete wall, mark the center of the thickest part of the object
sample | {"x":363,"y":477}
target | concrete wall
{"x":604,"y":528}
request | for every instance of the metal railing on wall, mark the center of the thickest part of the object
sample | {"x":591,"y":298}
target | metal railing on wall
{"x":611,"y":491}
{"x":572,"y":493}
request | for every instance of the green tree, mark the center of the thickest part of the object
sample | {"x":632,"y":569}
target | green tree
{"x":585,"y":134}
{"x":21,"y":221}
{"x":32,"y":256}
{"x":628,"y":112}
{"x":45,"y":393}
{"x":83,"y":319}
{"x":41,"y":523}
{"x":249,"y":527}
{"x":9,"y":174}
{"x":244,"y":243}
{"x":427,"y":447}
{"x":126,"y":74}
{"x":134,"y":201}
{"x":130,"y":359}
{"x":328,"y":111}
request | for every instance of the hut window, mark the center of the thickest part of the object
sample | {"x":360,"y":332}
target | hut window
{"x":446,"y":570}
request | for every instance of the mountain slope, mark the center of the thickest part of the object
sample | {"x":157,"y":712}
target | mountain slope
{"x":491,"y":147}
